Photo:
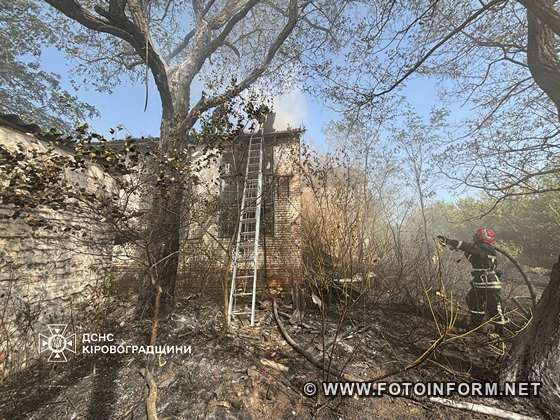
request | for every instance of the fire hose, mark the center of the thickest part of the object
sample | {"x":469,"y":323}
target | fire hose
{"x":525,"y":278}
{"x":523,"y":275}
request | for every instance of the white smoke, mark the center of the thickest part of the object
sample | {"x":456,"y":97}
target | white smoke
{"x":291,"y":110}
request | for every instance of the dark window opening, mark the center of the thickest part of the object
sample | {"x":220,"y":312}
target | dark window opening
{"x":283,"y":186}
{"x":267,"y":206}
{"x":232,"y":171}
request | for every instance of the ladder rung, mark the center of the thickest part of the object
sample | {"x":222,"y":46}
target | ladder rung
{"x":246,"y":253}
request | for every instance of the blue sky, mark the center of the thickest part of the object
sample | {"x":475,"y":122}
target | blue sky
{"x":125,"y":105}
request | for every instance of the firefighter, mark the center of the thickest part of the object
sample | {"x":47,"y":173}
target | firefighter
{"x":483,"y":299}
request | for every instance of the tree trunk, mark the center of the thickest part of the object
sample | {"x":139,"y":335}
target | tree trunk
{"x":298,"y":302}
{"x":535,"y":354}
{"x":164,"y":227}
{"x":542,"y":57}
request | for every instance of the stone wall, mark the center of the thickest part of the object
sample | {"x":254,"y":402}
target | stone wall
{"x":46,"y":267}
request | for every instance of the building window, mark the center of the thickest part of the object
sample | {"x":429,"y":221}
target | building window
{"x":283,"y":186}
{"x":267,"y":206}
{"x":234,"y":163}
{"x":230,"y":202}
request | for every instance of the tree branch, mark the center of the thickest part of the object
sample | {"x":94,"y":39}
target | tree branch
{"x":199,"y":15}
{"x":205,"y":104}
{"x":119,"y":25}
{"x":372,"y":95}
{"x":231,"y":8}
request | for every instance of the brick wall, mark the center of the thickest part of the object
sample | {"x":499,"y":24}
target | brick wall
{"x":46,"y":269}
{"x":204,"y":251}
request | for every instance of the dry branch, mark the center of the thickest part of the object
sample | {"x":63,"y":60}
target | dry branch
{"x":339,"y":372}
{"x":151,"y":410}
{"x":477,"y":408}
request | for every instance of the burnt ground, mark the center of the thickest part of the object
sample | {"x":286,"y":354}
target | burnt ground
{"x":252,"y":373}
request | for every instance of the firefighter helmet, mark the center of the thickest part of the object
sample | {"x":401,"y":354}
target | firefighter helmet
{"x":485,"y":235}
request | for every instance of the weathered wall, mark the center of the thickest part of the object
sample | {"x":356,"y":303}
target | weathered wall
{"x":283,"y":249}
{"x":204,"y":250}
{"x":46,"y":269}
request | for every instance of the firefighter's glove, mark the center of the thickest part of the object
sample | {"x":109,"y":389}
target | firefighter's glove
{"x":451,"y":243}
{"x":442,"y":240}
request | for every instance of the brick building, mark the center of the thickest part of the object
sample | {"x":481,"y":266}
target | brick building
{"x":45,"y":272}
{"x":210,"y":236}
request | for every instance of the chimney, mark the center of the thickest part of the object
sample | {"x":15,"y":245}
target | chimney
{"x":269,"y":123}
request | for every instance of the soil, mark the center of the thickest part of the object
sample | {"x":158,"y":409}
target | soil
{"x":251,"y":372}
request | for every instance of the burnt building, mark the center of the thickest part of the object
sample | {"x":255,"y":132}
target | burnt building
{"x":210,"y":230}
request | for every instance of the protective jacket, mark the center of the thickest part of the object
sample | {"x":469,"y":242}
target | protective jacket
{"x":484,"y":297}
{"x":484,"y":263}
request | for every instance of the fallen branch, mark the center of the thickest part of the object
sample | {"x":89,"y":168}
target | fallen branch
{"x":151,"y":410}
{"x":339,"y":372}
{"x":477,"y":408}
{"x":310,"y":357}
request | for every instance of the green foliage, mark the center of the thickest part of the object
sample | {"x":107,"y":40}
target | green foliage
{"x":527,"y":227}
{"x":35,"y":178}
{"x":25,"y":90}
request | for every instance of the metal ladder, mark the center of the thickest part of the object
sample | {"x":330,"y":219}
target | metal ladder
{"x":245,"y":257}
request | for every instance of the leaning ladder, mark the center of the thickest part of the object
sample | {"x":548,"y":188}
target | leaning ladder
{"x":245,"y":257}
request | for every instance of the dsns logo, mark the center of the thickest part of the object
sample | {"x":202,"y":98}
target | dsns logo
{"x":57,"y":342}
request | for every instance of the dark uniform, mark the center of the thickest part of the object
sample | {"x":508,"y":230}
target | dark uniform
{"x":483,"y":299}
